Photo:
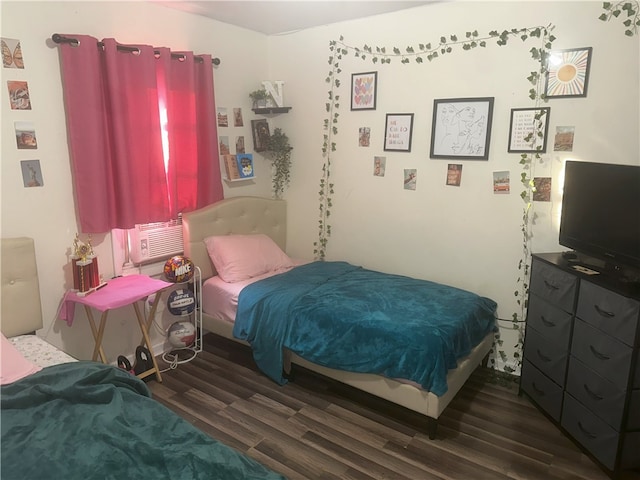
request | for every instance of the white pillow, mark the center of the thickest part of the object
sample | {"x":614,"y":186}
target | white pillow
{"x":241,"y":257}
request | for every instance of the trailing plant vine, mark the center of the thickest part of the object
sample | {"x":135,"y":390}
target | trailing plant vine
{"x":630,"y":12}
{"x":279,"y":151}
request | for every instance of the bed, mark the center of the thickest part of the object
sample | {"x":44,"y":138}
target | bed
{"x":225,"y":313}
{"x":62,"y":418}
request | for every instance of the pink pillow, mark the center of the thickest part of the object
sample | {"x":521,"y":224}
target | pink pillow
{"x":13,"y":366}
{"x":241,"y":257}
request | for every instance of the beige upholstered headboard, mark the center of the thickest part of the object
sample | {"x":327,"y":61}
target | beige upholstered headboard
{"x":21,"y":308}
{"x":237,"y":216}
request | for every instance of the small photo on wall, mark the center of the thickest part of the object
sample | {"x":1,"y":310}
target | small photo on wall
{"x":410,"y":178}
{"x":501,"y":183}
{"x":261,"y":135}
{"x":19,"y":95}
{"x":31,"y":173}
{"x":542,"y":189}
{"x":240,"y":144}
{"x":223,"y":117}
{"x":26,"y":136}
{"x":11,"y":53}
{"x":454,"y":174}
{"x":379,"y":166}
{"x":364,"y":136}
{"x":564,"y":139}
{"x":224,"y":145}
{"x":237,"y":118}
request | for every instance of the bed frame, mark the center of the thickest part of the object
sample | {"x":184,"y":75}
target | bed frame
{"x":21,"y":308}
{"x":250,"y":215}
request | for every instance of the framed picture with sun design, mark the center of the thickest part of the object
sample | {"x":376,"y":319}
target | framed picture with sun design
{"x":568,"y":73}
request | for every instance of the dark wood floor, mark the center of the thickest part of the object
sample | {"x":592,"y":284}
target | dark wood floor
{"x":314,"y":428}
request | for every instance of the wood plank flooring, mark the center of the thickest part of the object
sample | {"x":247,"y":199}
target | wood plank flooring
{"x":315,"y":428}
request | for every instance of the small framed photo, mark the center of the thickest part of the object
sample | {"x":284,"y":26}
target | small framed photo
{"x":363,"y":90}
{"x":397,"y":132}
{"x":461,"y":128}
{"x":568,"y":73}
{"x":261,"y":134}
{"x":528,"y":130}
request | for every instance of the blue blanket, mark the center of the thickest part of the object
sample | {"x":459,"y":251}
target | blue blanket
{"x":350,"y":318}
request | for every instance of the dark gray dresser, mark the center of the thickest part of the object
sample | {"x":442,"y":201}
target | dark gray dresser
{"x":581,"y":359}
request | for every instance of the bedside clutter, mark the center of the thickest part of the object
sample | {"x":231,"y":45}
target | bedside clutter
{"x":581,"y":361}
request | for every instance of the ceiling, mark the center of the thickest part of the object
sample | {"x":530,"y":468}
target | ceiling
{"x":279,"y":17}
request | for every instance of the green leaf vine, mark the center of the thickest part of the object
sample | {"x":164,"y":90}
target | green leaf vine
{"x":627,"y":12}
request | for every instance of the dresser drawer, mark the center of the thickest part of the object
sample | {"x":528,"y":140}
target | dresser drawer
{"x":546,"y":355}
{"x":591,"y":432}
{"x":541,"y":389}
{"x":553,"y":285}
{"x":605,"y":355}
{"x":596,"y":393}
{"x":551,"y":321}
{"x":610,"y":312}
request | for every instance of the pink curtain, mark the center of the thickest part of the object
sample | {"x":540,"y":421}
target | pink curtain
{"x":117,"y":104}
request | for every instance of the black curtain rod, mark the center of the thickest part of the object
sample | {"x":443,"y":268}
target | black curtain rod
{"x":57,"y":38}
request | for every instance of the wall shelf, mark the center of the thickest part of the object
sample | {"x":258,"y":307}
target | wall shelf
{"x":267,"y":110}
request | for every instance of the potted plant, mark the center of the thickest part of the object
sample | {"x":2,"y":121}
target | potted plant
{"x":259,"y":98}
{"x":279,"y":150}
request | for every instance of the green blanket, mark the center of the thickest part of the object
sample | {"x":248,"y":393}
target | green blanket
{"x":86,"y":421}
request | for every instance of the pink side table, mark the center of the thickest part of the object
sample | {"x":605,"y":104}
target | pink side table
{"x":118,"y":292}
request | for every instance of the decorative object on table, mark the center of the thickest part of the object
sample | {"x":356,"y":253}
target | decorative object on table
{"x":181,"y":302}
{"x":178,"y":269}
{"x":397,"y":132}
{"x":86,"y":275}
{"x":181,"y":334}
{"x":528,"y":130}
{"x":568,"y":72}
{"x":363,"y":90}
{"x":260,"y":131}
{"x":279,"y":151}
{"x":461,"y":128}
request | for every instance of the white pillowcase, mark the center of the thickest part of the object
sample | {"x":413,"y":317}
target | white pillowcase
{"x":241,"y":257}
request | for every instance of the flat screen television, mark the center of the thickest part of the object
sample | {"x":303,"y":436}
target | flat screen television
{"x":601,"y":212}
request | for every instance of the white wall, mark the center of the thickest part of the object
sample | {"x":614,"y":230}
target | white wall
{"x":464,"y":236}
{"x":47,"y":213}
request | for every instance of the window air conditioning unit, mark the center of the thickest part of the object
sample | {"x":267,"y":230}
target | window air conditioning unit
{"x":152,"y":242}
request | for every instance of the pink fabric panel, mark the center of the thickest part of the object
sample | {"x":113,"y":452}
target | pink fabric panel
{"x":13,"y":366}
{"x":119,"y":292}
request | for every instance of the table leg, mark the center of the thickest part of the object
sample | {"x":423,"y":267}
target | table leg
{"x":144,"y":327}
{"x":97,"y":334}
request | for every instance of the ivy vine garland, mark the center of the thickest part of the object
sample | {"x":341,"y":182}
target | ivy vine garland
{"x":430,"y":52}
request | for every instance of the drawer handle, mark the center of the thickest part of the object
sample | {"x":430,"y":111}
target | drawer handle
{"x":550,"y":286}
{"x":547,"y":323}
{"x":537,"y":390}
{"x":585,"y":431}
{"x":597,"y":354}
{"x":591,"y":393}
{"x":604,"y":313}
{"x":544,"y":358}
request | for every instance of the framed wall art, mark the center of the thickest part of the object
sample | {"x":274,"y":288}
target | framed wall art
{"x":461,"y":128}
{"x":397,"y":132}
{"x":568,"y":73}
{"x":260,"y":130}
{"x":528,"y":130}
{"x":363,"y":90}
